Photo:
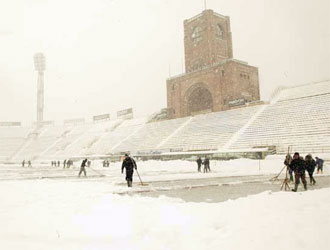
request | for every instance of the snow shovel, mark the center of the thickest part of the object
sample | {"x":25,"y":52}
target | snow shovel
{"x":98,"y":172}
{"x":141,"y":183}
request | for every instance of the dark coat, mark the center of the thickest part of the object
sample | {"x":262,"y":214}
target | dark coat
{"x":298,"y":165}
{"x":319,"y":162}
{"x":199,"y":161}
{"x":206,"y":162}
{"x":129,"y":164}
{"x":310,"y":165}
{"x":83,"y":164}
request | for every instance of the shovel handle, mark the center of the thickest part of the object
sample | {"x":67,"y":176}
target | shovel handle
{"x":139,"y":176}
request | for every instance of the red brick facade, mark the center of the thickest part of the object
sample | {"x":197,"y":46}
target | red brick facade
{"x":214,"y":80}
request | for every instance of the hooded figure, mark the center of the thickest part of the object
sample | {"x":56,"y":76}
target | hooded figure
{"x":319,"y":164}
{"x":310,"y":167}
{"x":129,"y":164}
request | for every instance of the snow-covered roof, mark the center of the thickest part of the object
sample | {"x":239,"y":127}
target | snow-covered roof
{"x":301,"y":91}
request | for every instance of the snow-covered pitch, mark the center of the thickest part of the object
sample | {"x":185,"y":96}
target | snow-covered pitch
{"x":87,"y":214}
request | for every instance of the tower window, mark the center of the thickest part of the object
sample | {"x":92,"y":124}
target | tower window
{"x":196,"y":35}
{"x":219,"y":31}
{"x":223,"y":72}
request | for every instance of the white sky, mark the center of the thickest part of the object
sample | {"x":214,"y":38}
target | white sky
{"x":107,"y":55}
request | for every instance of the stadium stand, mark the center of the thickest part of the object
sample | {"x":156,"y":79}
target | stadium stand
{"x":84,"y":142}
{"x":209,"y":131}
{"x":298,"y":117}
{"x":60,"y":149}
{"x":150,"y":135}
{"x":113,"y":139}
{"x":37,"y":141}
{"x":11,"y":139}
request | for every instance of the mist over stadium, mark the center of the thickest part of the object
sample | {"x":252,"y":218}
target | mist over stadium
{"x":140,"y":124}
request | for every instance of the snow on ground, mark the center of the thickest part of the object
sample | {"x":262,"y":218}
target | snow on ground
{"x":59,"y":214}
{"x":151,"y":171}
{"x":180,"y":169}
{"x":86,"y":214}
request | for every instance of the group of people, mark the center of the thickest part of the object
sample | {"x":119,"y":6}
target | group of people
{"x":55,"y":163}
{"x":106,"y":163}
{"x":128,"y":164}
{"x":206,"y":164}
{"x":66,"y":163}
{"x":297,"y":165}
{"x":28,"y":162}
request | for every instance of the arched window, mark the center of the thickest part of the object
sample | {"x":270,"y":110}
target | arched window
{"x":219,"y":31}
{"x":196,"y":34}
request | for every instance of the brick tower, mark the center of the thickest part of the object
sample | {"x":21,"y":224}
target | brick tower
{"x":213,"y":81}
{"x":207,"y":40}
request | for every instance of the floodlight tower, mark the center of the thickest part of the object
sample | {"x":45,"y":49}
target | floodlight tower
{"x":40,"y":66}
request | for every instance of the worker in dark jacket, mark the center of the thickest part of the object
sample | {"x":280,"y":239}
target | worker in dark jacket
{"x":310,"y":167}
{"x":199,"y":164}
{"x":82,"y":167}
{"x":129,"y":164}
{"x":206,"y":164}
{"x":298,"y":165}
{"x":319,"y":164}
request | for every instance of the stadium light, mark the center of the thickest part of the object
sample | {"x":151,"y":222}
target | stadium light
{"x":39,"y":62}
{"x":40,"y":66}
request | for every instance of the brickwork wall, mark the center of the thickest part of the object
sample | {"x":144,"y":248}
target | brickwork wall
{"x":226,"y":82}
{"x":207,"y":46}
{"x":210,"y":68}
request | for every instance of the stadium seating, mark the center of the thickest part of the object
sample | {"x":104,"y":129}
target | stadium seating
{"x":38,"y":140}
{"x":150,"y":135}
{"x":11,"y":139}
{"x":113,"y":139}
{"x":209,"y":131}
{"x":300,"y":118}
{"x":60,"y":146}
{"x":89,"y":137}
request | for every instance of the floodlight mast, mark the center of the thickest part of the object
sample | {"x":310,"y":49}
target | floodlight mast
{"x":40,"y":66}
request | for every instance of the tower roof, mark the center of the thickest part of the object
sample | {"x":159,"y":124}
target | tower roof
{"x":205,"y":12}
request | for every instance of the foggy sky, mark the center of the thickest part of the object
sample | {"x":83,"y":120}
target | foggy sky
{"x":107,"y":55}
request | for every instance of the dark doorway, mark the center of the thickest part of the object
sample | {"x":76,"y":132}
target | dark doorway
{"x":200,"y":101}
